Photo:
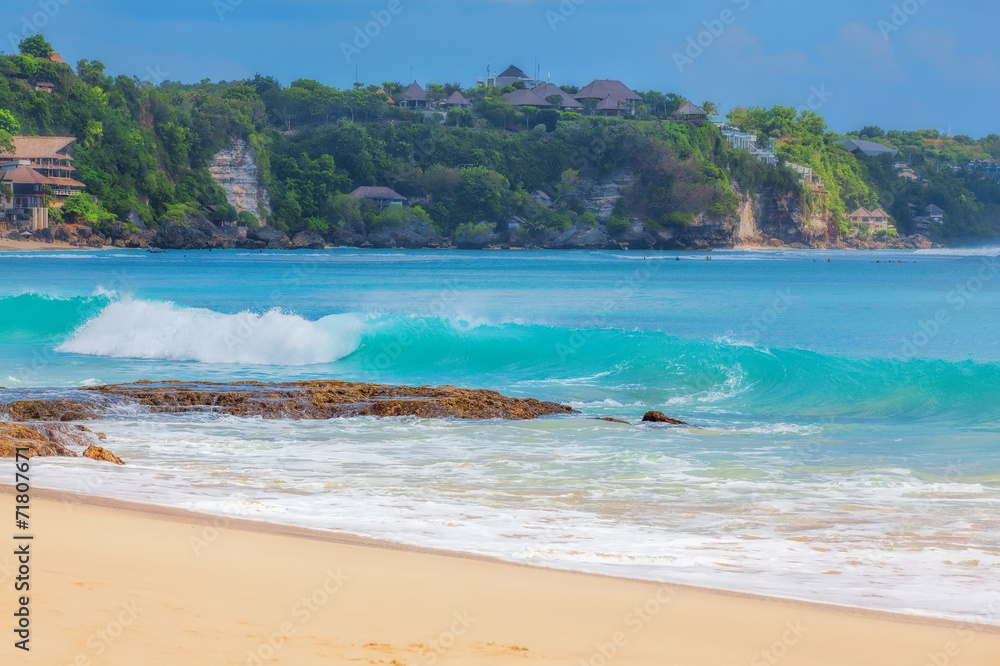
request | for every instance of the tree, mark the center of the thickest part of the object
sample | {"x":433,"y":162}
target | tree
{"x":36,"y":46}
{"x":871,"y":133}
{"x":247,"y":219}
{"x":9,"y":127}
{"x":710,"y":108}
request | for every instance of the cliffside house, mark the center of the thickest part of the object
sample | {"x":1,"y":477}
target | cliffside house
{"x":414,"y":97}
{"x":55,"y":57}
{"x":45,"y":86}
{"x":547,"y":90}
{"x":39,"y":173}
{"x":873,"y":220}
{"x":542,"y":198}
{"x":383,"y":197}
{"x":869,"y":148}
{"x":26,"y":207}
{"x":610,"y":97}
{"x":388,"y":98}
{"x":525,"y":97}
{"x":509,"y":77}
{"x":457,"y":101}
{"x":934,"y":213}
{"x":691,"y":112}
{"x":48,"y":155}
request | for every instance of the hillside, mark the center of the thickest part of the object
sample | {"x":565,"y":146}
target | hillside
{"x":492,"y":174}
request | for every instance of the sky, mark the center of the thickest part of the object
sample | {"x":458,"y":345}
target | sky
{"x":899,"y":64}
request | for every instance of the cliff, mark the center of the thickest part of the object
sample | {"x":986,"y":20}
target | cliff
{"x":236,"y":170}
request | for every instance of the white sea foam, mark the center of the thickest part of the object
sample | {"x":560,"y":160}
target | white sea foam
{"x":157,"y":330}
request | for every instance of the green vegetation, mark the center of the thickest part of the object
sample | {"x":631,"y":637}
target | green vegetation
{"x":145,"y":148}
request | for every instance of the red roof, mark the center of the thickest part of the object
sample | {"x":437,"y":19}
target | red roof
{"x":25,"y":175}
{"x":67,"y":182}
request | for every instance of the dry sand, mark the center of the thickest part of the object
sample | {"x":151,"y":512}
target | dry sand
{"x":119,"y":583}
{"x":7,"y":245}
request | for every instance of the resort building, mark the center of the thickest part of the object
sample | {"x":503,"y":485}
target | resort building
{"x":414,"y":97}
{"x":611,"y":97}
{"x":38,"y":173}
{"x":691,"y":111}
{"x":526,"y":97}
{"x":869,"y":148}
{"x":383,"y":197}
{"x":457,"y":101}
{"x":509,"y":77}
{"x":873,"y":220}
{"x":547,"y":90}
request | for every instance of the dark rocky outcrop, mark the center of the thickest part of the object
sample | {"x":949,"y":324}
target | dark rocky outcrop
{"x":268,"y":236}
{"x":613,"y":420}
{"x":329,"y":399}
{"x":298,"y":400}
{"x":582,"y":237}
{"x":415,"y":235}
{"x":308,"y":240}
{"x":660,"y":417}
{"x":476,"y":239}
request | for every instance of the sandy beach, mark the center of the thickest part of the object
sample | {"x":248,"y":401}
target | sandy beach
{"x":121,"y":583}
{"x":7,"y":245}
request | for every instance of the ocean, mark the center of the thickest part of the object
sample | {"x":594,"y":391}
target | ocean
{"x":844,"y":444}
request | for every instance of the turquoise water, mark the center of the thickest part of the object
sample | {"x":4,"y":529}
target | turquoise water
{"x":845,"y":413}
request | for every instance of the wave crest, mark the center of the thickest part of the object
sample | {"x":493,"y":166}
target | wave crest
{"x":157,"y":330}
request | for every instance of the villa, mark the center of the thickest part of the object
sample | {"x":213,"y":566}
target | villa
{"x":873,"y":220}
{"x":39,"y":174}
{"x":383,"y":197}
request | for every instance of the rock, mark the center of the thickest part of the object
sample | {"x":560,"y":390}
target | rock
{"x":51,"y":440}
{"x":414,"y":236}
{"x":636,"y":237}
{"x":308,"y":240}
{"x":15,"y":436}
{"x":51,"y":410}
{"x":476,"y":240}
{"x":659,"y":417}
{"x":267,"y":235}
{"x":102,"y":455}
{"x":323,"y":400}
{"x":611,"y":420}
{"x":583,"y":237}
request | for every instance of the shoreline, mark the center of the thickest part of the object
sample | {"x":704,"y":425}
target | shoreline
{"x":7,"y":245}
{"x":233,"y":590}
{"x":116,"y":582}
{"x":186,"y":516}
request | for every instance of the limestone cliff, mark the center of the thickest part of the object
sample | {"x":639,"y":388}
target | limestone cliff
{"x":235,"y":169}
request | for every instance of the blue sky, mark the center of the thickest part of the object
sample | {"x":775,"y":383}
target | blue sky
{"x":904,"y":65}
